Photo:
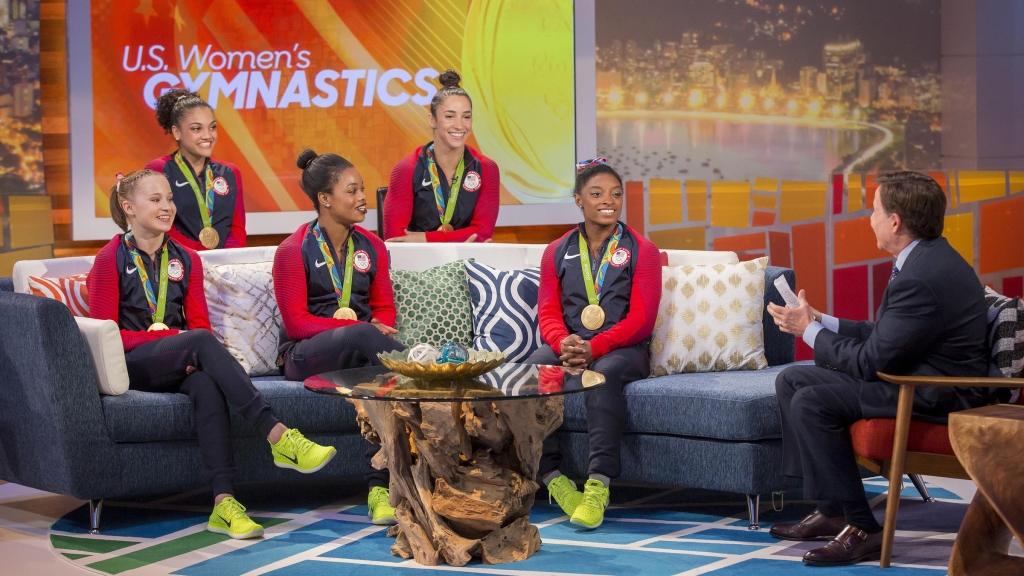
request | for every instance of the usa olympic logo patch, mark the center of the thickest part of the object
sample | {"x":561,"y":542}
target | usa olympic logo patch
{"x":620,"y":258}
{"x":175,"y":270}
{"x":472,"y":181}
{"x":220,"y":186}
{"x":361,"y":261}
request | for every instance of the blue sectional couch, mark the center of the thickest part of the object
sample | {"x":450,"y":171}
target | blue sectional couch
{"x":717,"y":431}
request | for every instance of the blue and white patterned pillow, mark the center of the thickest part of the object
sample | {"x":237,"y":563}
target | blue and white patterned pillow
{"x":504,"y":310}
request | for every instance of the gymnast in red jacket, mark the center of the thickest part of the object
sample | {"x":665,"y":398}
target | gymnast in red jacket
{"x":445,"y":191}
{"x":333,"y":288}
{"x":208,"y":192}
{"x":152,"y":287}
{"x":600,"y":286}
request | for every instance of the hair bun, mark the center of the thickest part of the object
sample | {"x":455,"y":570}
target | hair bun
{"x":307,"y":156}
{"x":449,"y":78}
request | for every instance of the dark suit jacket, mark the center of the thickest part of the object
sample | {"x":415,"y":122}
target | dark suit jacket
{"x":932,"y":322}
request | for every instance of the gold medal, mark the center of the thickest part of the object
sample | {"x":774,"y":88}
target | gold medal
{"x":345,"y":313}
{"x":209,"y":238}
{"x":592,"y":317}
{"x":158,"y":326}
{"x":446,"y":228}
{"x":591,"y":378}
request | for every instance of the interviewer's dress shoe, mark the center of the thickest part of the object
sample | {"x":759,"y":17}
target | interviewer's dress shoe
{"x":814,"y":526}
{"x":853,"y":545}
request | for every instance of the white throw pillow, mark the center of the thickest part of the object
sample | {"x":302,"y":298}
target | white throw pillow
{"x":107,"y":351}
{"x":709,"y":319}
{"x":243,"y":313}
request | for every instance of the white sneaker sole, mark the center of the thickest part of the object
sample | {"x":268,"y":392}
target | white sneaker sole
{"x":251,"y":534}
{"x":309,"y":471}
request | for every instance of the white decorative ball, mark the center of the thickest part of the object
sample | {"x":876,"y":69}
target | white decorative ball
{"x":424,"y":354}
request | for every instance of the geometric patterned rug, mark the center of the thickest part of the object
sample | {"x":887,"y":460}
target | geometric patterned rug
{"x":648,"y":530}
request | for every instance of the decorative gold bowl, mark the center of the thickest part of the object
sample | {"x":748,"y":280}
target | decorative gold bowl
{"x":480,"y":362}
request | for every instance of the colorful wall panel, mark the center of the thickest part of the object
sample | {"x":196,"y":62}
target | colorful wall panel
{"x":822,"y":230}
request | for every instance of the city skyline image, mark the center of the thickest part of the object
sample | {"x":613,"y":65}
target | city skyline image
{"x":739,"y":89}
{"x":21,"y":138}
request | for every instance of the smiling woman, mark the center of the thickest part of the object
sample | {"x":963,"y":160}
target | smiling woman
{"x":600,"y":287}
{"x":211,"y":211}
{"x":334,"y":291}
{"x":445,"y":191}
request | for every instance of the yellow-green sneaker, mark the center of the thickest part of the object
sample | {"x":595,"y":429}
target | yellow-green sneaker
{"x":295,"y":452}
{"x":590,"y":513}
{"x":229,"y":518}
{"x":564,"y":492}
{"x":380,"y":511}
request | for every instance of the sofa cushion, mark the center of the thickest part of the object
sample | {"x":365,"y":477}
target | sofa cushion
{"x":433,"y":306}
{"x":734,"y":406}
{"x":151,"y":417}
{"x":103,"y":339}
{"x":873,"y":438}
{"x":709,"y":319}
{"x":504,"y":310}
{"x":70,"y":291}
{"x":243,"y":313}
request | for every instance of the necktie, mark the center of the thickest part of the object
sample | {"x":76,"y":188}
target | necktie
{"x":895,"y":273}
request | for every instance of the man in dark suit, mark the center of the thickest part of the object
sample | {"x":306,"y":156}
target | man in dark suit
{"x":932,"y":321}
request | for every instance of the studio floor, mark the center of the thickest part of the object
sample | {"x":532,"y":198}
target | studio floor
{"x":324,"y":530}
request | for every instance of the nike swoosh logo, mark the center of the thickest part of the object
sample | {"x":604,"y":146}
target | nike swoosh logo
{"x":226,"y":521}
{"x":294,"y":460}
{"x":131,"y":270}
{"x":426,"y":182}
{"x":180,"y":184}
{"x":320,"y":264}
{"x":567,"y":257}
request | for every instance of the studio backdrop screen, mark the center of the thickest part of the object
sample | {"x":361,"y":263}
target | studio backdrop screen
{"x":354,"y":77}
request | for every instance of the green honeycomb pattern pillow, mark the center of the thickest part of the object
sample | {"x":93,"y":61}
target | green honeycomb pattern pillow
{"x":433,"y":306}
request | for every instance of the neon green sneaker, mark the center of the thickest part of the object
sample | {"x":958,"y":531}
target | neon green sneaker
{"x":229,"y":518}
{"x":381,"y":513}
{"x":590,"y":513}
{"x":295,"y":452}
{"x":564,"y":492}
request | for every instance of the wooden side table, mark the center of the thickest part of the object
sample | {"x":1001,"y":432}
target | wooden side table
{"x":988,"y":442}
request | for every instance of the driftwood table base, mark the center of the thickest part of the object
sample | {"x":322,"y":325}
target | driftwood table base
{"x":987,"y":442}
{"x":462,"y":475}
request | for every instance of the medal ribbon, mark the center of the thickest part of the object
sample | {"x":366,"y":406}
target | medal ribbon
{"x":205,"y":207}
{"x":445,"y":210}
{"x":594,"y":286}
{"x":342,"y":290}
{"x":157,"y":302}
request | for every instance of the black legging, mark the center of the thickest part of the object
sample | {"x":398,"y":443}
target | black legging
{"x":348,"y":347}
{"x":217,"y":383}
{"x":606,"y":408}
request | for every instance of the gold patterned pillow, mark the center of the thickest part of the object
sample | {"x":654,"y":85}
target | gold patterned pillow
{"x":709,"y":319}
{"x":243,"y":313}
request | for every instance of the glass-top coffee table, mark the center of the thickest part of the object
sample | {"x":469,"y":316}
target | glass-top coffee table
{"x":463,"y":455}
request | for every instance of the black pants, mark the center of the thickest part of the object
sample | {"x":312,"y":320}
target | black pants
{"x":217,"y":383}
{"x":606,"y":408}
{"x":349,"y":347}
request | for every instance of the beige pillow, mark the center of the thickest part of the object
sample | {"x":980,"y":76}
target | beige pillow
{"x":104,"y":341}
{"x":709,"y":319}
{"x":243,"y":313}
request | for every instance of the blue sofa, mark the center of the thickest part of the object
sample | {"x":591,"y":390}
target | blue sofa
{"x":718,"y":431}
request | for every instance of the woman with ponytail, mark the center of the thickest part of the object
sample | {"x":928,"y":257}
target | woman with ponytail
{"x":211,"y":210}
{"x":333,"y":288}
{"x":444,"y":191}
{"x":152,"y":287}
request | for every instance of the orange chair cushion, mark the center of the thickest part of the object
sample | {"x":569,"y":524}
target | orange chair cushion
{"x":873,"y":438}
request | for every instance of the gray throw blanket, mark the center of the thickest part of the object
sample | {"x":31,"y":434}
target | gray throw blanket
{"x":1006,"y":335}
